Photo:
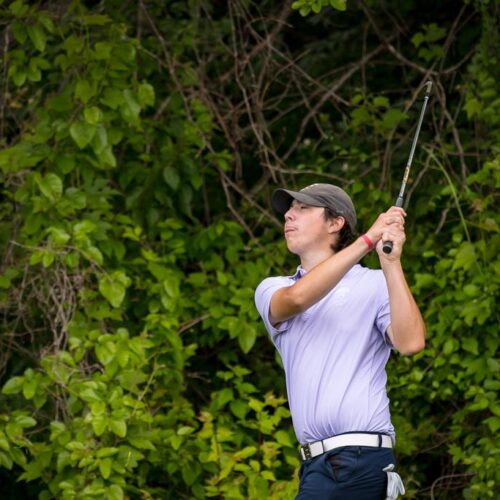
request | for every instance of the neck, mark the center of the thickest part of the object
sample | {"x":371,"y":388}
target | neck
{"x":312,"y":259}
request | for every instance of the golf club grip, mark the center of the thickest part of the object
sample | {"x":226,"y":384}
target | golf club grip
{"x":387,"y":245}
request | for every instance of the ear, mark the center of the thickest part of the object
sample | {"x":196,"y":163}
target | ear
{"x":336,"y":224}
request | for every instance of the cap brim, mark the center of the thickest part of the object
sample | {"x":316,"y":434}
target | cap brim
{"x":282,"y":199}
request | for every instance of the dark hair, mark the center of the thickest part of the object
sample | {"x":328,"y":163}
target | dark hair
{"x":345,"y":236}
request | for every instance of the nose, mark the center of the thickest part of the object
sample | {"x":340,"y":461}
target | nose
{"x":289,"y":214}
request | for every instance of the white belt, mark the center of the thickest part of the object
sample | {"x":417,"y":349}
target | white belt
{"x":311,"y":450}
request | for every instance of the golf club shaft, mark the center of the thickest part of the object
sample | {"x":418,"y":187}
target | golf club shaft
{"x":387,"y":245}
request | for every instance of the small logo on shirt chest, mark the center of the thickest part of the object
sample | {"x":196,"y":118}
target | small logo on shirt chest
{"x":337,"y":297}
{"x":340,"y":296}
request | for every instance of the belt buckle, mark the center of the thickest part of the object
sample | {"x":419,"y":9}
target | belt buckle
{"x":307,"y":451}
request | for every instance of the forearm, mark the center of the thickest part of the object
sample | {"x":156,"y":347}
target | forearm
{"x":314,"y":285}
{"x":407,"y":325}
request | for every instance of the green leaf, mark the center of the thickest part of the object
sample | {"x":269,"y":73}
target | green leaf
{"x":246,"y":452}
{"x":88,"y":394}
{"x":239,"y":408}
{"x":96,"y":19}
{"x":25,"y":421}
{"x":6,"y":279}
{"x":112,"y":98}
{"x":185,"y":430}
{"x":114,"y":493}
{"x":113,"y":286}
{"x":338,"y":4}
{"x":48,"y":259}
{"x":391,"y":118}
{"x":19,"y":8}
{"x":4,"y":443}
{"x":106,"y":452}
{"x":36,"y":257}
{"x":29,"y":388}
{"x":6,"y":461}
{"x":18,"y":75}
{"x":107,"y":157}
{"x":98,"y":408}
{"x":247,"y":337}
{"x":171,"y":177}
{"x":84,"y":91}
{"x":37,"y":36}
{"x":102,"y":50}
{"x":381,"y":102}
{"x":19,"y":30}
{"x":141,"y":443}
{"x":466,"y":256}
{"x":58,"y":236}
{"x":122,"y":355}
{"x":99,"y":423}
{"x":92,"y":115}
{"x":105,"y":467}
{"x":130,"y":108}
{"x":360,"y":116}
{"x":82,"y":133}
{"x":100,"y":140}
{"x":13,"y":430}
{"x":417,"y":39}
{"x":473,"y":107}
{"x":82,"y":228}
{"x":94,"y":254}
{"x":434,"y":32}
{"x":118,"y":427}
{"x":51,"y":186}
{"x":13,"y":385}
{"x":46,"y":21}
{"x":105,"y":352}
{"x":146,"y":95}
{"x":471,"y":345}
{"x":283,"y":438}
{"x":65,"y":163}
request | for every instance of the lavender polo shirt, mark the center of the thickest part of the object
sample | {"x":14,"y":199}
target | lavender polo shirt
{"x":334,"y":355}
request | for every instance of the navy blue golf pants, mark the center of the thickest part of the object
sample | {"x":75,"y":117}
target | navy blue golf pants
{"x":349,"y":473}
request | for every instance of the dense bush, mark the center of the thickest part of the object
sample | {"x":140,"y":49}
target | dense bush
{"x":140,"y":143}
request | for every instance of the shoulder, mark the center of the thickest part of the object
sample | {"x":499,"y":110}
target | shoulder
{"x":374,"y":274}
{"x":272,"y":283}
{"x":365,"y":273}
{"x":371,"y":279}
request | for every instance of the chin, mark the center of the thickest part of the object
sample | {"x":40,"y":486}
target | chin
{"x":293,"y":248}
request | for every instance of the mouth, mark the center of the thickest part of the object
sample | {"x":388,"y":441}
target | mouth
{"x":289,"y":229}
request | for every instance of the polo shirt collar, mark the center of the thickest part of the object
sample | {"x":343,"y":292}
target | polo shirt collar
{"x":301,"y":271}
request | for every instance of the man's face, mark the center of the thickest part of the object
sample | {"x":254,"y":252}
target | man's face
{"x":306,"y":228}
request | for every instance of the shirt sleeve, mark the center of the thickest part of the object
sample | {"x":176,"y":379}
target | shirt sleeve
{"x":383,"y":319}
{"x":263,"y":295}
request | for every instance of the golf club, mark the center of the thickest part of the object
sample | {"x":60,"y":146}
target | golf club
{"x":387,"y":245}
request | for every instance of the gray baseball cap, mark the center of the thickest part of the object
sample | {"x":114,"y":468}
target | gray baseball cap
{"x":317,"y":195}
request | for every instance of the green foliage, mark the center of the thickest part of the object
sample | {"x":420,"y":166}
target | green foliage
{"x":315,"y":6}
{"x":137,"y":163}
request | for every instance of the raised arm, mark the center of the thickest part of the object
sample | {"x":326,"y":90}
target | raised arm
{"x":407,"y":328}
{"x":313,"y":286}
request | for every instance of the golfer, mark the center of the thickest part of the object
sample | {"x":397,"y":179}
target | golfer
{"x":334,"y":323}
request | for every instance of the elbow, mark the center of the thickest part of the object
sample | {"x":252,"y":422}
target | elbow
{"x":296,"y":300}
{"x":285,"y":304}
{"x":416,"y":345}
{"x":412,"y":349}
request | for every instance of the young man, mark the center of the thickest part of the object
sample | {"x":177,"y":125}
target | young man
{"x":334,"y":324}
